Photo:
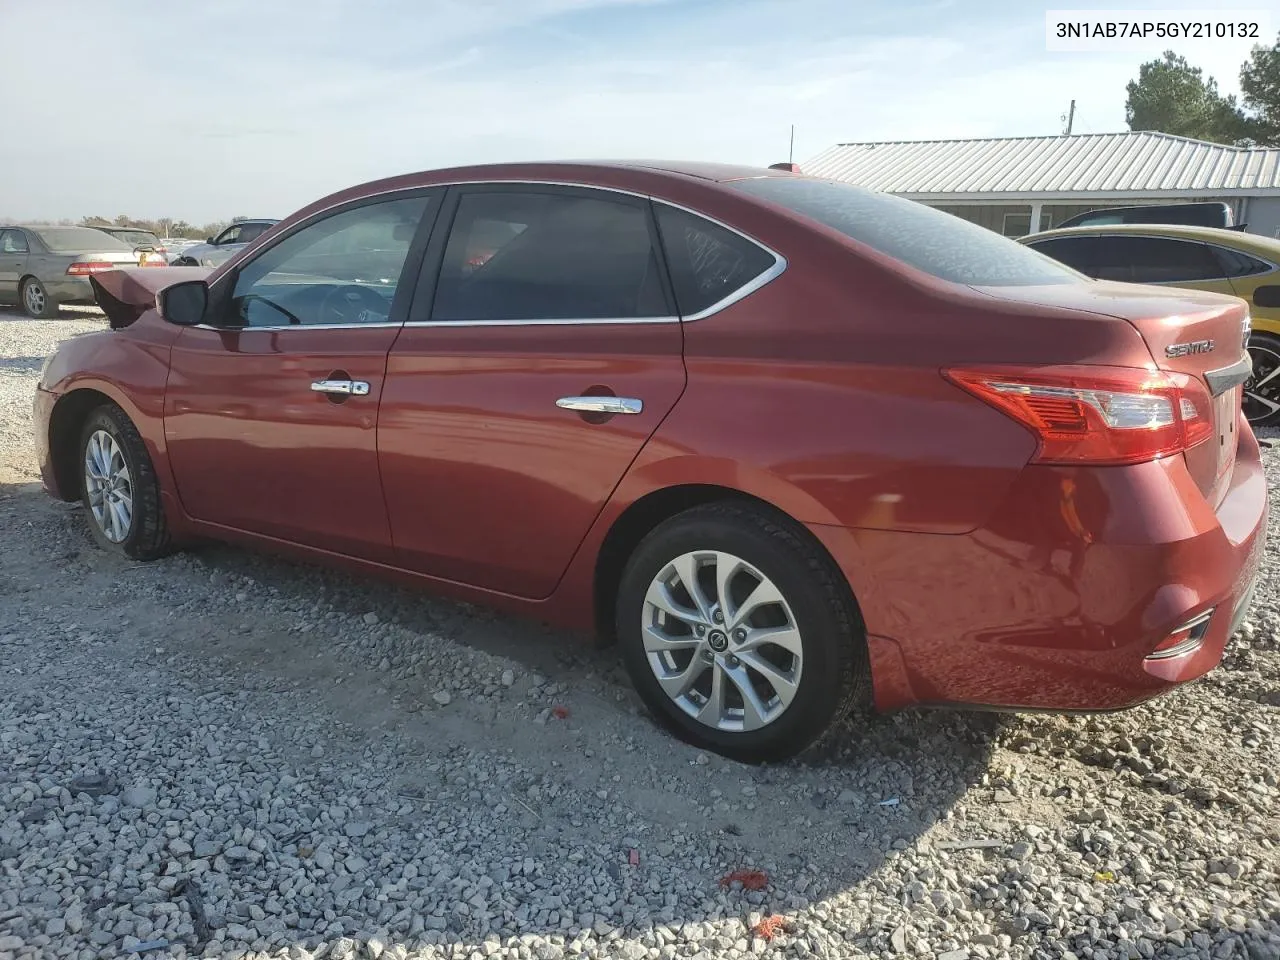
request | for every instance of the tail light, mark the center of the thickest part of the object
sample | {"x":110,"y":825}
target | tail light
{"x":85,"y":268}
{"x":1100,"y":415}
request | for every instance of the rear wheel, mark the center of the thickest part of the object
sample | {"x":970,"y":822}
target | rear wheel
{"x":118,"y":487}
{"x":1262,"y":390}
{"x":739,"y":633}
{"x":36,"y":300}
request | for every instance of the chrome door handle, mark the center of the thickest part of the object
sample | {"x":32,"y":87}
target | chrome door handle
{"x":353,"y":388}
{"x":601,"y":404}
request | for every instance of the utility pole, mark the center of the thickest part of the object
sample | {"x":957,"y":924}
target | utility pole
{"x":1071,"y":118}
{"x":791,"y":152}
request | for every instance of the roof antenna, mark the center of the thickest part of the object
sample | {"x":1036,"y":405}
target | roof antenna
{"x":790,"y":165}
{"x":1070,"y":118}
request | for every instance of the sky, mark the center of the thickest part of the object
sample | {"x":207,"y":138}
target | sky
{"x":207,"y":109}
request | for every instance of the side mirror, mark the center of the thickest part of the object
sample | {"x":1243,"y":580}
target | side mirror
{"x":210,"y":240}
{"x":184,"y":304}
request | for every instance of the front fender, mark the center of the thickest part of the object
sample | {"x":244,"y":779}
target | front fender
{"x":130,"y":369}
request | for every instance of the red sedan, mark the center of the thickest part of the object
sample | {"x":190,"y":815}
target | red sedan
{"x":794,"y":445}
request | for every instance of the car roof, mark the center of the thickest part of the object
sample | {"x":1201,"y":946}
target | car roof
{"x":1223,"y":237}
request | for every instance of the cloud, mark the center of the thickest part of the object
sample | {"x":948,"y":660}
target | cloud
{"x":252,"y":107}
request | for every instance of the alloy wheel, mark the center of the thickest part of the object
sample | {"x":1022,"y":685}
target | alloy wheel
{"x":722,"y":641}
{"x":1262,"y":389}
{"x":110,"y":488}
{"x":35,"y":297}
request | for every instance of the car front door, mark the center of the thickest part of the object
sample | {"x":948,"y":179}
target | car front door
{"x":13,"y":262}
{"x":271,"y":409}
{"x":542,"y":352}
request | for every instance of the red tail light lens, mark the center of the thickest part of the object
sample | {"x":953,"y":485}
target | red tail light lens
{"x":84,"y":268}
{"x":1102,"y":415}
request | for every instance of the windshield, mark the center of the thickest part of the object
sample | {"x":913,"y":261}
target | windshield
{"x":937,"y":243}
{"x":76,"y":239}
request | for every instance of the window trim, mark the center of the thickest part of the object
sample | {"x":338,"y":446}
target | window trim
{"x":779,"y":261}
{"x":429,"y":274}
{"x":225,"y":284}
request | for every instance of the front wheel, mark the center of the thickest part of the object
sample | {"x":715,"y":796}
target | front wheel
{"x":119,"y":488}
{"x":1261,"y":398}
{"x":739,"y":633}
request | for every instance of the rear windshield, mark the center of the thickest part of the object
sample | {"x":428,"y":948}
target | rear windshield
{"x":136,"y":236}
{"x":922,"y":237}
{"x":78,"y":239}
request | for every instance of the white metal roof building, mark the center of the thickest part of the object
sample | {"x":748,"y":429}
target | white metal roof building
{"x":1010,"y":183}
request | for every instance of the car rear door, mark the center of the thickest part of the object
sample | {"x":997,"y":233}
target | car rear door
{"x":542,"y":351}
{"x":271,"y":410}
{"x":13,"y":262}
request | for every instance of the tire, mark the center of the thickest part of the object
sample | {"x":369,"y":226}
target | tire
{"x":36,"y":302}
{"x":826,"y":647}
{"x":1263,"y":387}
{"x":110,"y":441}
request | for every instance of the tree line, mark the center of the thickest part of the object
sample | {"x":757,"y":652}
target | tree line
{"x":1172,"y":96}
{"x":163,"y":227}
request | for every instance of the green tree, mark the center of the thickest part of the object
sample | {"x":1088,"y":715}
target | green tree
{"x":1171,"y":96}
{"x":1260,"y":89}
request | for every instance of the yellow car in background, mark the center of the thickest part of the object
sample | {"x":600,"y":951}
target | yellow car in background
{"x":1203,"y":258}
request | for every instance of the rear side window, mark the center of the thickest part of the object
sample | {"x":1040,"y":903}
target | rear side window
{"x":1237,"y":264}
{"x":1156,"y":260}
{"x":528,"y":256}
{"x":929,"y":240}
{"x":708,"y":262}
{"x":11,"y":241}
{"x":1079,"y":253}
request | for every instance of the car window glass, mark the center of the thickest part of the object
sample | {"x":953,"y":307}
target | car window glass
{"x":930,"y":240}
{"x":1236,"y":263}
{"x":1135,"y":259}
{"x":251,"y":232}
{"x":344,"y":269}
{"x":1079,"y":253}
{"x":229,"y":235}
{"x":707,"y":261}
{"x":548,"y":256}
{"x":12,"y":242}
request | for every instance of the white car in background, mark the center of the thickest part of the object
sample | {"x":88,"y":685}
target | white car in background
{"x":218,"y":250}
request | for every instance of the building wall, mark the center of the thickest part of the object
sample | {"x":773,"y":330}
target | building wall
{"x":1014,"y":219}
{"x":1263,"y":216}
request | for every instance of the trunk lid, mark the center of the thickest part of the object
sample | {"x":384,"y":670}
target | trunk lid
{"x":1203,"y":335}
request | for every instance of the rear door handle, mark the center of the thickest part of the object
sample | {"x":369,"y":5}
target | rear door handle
{"x":351,"y":388}
{"x":601,"y":404}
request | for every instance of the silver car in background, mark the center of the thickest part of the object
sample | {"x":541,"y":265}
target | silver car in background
{"x":44,"y":267}
{"x":218,"y":250}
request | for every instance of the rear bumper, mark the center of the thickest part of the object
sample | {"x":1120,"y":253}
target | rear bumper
{"x":1059,"y":601}
{"x":70,"y":290}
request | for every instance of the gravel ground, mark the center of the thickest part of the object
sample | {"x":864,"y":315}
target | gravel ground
{"x":225,"y":754}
